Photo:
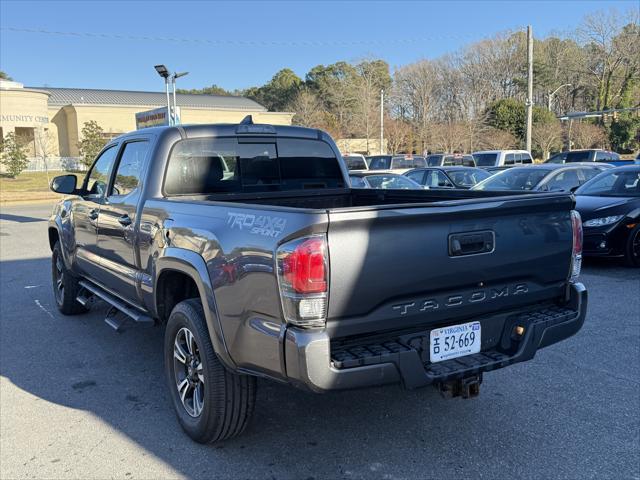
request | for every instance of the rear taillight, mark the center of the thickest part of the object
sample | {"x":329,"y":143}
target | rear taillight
{"x":303,"y":272}
{"x":576,"y":256}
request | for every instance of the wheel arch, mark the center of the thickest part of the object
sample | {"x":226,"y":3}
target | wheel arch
{"x":179,"y":264}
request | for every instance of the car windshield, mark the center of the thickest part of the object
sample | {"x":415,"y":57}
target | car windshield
{"x":391,"y":181}
{"x":467,"y":178}
{"x":514,"y":179}
{"x":355,"y":162}
{"x":613,"y":183}
{"x":380,"y":163}
{"x":578,"y":156}
{"x":485,"y":159}
{"x":408,"y":162}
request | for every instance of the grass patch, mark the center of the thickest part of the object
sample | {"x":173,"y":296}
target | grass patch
{"x":30,"y":186}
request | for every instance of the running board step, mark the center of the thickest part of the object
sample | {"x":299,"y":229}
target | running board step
{"x":116,"y":304}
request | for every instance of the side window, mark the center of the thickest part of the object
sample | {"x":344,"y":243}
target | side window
{"x":98,"y":177}
{"x":129,"y":169}
{"x":602,"y":157}
{"x":525,"y":158}
{"x":416,"y":176}
{"x":564,"y":180}
{"x":510,"y":159}
{"x":443,"y":181}
{"x":589,"y":173}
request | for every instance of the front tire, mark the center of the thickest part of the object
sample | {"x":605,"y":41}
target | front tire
{"x":65,"y":286}
{"x":632,"y":254}
{"x":212,"y":403}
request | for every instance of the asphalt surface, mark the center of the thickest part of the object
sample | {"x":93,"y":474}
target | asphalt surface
{"x":78,"y":400}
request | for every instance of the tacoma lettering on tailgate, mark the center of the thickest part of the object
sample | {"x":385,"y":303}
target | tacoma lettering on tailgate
{"x":449,"y":301}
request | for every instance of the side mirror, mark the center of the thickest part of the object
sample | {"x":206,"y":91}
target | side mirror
{"x":573,"y":189}
{"x":64,"y":184}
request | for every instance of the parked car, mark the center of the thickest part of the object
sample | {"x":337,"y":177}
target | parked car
{"x":447,"y":177}
{"x":609,"y":205}
{"x":586,"y":155}
{"x":543,"y":178}
{"x":282,"y":271}
{"x":386,"y":180}
{"x":499,"y":158}
{"x":355,"y":161}
{"x":398,"y":163}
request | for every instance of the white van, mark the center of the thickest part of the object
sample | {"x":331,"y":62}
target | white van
{"x":502,"y":158}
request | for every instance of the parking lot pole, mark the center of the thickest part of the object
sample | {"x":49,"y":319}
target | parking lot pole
{"x":529,"y":85}
{"x":381,"y":122}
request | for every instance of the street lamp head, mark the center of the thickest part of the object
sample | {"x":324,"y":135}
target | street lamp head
{"x":181,"y":74}
{"x":162,"y":71}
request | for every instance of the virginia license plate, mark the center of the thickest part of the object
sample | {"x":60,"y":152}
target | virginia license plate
{"x":454,"y":341}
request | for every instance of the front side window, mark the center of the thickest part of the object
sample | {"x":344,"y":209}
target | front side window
{"x":613,"y":183}
{"x":563,"y":181}
{"x":98,"y":177}
{"x":416,"y":176}
{"x":129,"y":168}
{"x":518,"y":178}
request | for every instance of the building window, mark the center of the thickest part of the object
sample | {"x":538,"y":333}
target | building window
{"x":25,"y":136}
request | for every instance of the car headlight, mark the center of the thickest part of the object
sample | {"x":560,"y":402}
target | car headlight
{"x":601,"y":222}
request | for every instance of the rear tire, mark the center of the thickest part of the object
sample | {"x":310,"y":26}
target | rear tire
{"x":212,"y":403}
{"x":632,"y":253}
{"x":65,"y":286}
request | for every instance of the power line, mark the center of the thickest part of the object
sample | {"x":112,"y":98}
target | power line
{"x":235,"y":42}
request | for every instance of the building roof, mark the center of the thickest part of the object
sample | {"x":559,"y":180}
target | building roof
{"x":91,"y":96}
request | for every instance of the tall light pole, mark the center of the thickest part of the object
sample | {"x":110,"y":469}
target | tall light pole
{"x":164,"y":73}
{"x":381,"y":122}
{"x":551,"y":94}
{"x":529,"y":85}
{"x":174,"y":77}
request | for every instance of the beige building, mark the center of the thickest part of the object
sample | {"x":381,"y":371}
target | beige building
{"x":51,"y":119}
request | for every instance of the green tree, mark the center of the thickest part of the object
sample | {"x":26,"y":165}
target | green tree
{"x":92,"y":141}
{"x":12,"y":155}
{"x":279,"y":92}
{"x":211,"y":90}
{"x":624,"y":133}
{"x":510,"y":115}
{"x":5,"y":76}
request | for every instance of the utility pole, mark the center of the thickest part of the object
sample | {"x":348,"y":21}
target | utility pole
{"x":381,"y":122}
{"x":529,"y":85}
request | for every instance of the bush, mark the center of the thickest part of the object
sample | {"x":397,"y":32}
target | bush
{"x":13,"y":156}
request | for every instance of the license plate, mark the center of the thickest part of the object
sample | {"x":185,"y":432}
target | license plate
{"x":454,"y":341}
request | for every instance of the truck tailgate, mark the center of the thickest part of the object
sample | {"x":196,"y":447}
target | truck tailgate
{"x":403,"y":265}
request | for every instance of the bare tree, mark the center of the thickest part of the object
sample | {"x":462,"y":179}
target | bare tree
{"x":308,"y":109}
{"x":45,"y":147}
{"x":397,"y":134}
{"x":547,"y":137}
{"x":587,"y":135}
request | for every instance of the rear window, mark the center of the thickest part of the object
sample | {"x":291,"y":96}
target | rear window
{"x":584,"y":156}
{"x":434,"y":160}
{"x":485,"y":159}
{"x":355,"y":163}
{"x":223,"y":165}
{"x":380,"y":163}
{"x":408,"y":162}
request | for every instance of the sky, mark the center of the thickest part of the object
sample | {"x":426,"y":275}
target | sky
{"x":242,"y":44}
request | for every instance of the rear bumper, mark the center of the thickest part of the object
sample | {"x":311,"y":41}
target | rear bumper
{"x":311,"y":363}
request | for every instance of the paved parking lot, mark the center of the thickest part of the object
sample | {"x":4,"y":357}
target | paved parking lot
{"x":78,"y":400}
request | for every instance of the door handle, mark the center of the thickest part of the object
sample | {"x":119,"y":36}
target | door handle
{"x":124,"y":220}
{"x":93,"y":214}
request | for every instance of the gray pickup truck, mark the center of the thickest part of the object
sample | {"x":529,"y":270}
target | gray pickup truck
{"x":248,"y":245}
